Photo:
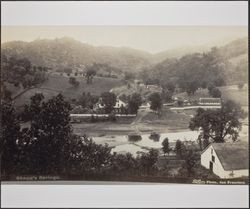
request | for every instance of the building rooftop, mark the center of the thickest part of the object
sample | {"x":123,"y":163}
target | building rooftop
{"x":210,"y":100}
{"x":232,"y":155}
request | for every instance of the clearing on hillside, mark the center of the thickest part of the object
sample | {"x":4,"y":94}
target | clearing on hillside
{"x":60,"y":84}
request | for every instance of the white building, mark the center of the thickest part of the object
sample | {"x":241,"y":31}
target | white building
{"x":119,"y":104}
{"x":227,"y":160}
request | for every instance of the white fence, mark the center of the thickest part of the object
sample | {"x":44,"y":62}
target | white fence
{"x":99,"y":115}
{"x":196,"y":107}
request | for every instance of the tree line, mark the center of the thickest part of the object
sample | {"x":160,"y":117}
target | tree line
{"x":190,"y":72}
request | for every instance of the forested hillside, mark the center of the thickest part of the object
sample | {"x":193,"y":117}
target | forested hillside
{"x":66,"y":52}
{"x":219,"y":66}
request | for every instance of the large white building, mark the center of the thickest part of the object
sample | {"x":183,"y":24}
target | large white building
{"x":227,"y":160}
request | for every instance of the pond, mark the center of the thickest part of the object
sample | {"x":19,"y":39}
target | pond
{"x":121,"y":144}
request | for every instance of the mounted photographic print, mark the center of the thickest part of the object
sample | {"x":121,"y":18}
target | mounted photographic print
{"x":117,"y":103}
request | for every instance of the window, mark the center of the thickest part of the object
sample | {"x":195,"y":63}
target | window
{"x":211,"y":151}
{"x":213,"y":158}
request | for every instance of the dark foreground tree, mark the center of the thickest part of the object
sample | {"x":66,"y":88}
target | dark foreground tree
{"x":10,"y":134}
{"x":189,"y":164}
{"x":179,"y":148}
{"x":218,"y":125}
{"x":147,"y":161}
{"x":165,"y":146}
{"x":51,"y":133}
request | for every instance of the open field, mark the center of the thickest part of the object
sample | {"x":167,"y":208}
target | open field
{"x":60,"y":84}
{"x":145,"y":122}
{"x":198,"y":94}
{"x":233,"y":93}
{"x":168,"y":118}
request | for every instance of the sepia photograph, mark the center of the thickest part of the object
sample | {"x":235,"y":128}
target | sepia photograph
{"x":166,"y":104}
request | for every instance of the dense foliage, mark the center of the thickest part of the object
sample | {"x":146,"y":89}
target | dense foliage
{"x":189,"y":73}
{"x":21,"y":72}
{"x":220,"y":124}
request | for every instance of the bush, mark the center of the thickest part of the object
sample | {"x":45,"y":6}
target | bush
{"x":154,"y":136}
{"x":215,"y":92}
{"x":134,"y":137}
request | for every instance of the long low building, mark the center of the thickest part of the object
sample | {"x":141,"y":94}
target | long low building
{"x":210,"y":101}
{"x":227,"y":160}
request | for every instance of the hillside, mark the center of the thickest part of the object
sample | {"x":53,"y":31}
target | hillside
{"x":60,"y":84}
{"x":231,"y":61}
{"x":67,"y":52}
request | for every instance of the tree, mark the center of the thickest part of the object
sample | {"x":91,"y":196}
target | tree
{"x":6,"y":94}
{"x":215,"y":92}
{"x":170,"y":86}
{"x":191,"y":87}
{"x":179,"y":148}
{"x":52,"y":132}
{"x":10,"y":135}
{"x":147,"y":161}
{"x":156,"y":102}
{"x":73,"y":81}
{"x":167,"y":95}
{"x":165,"y":146}
{"x":90,"y":73}
{"x":87,"y":157}
{"x":220,"y":124}
{"x":190,"y":163}
{"x":219,"y":81}
{"x":134,"y":103}
{"x":109,"y":101}
{"x":32,"y":110}
{"x":87,"y":100}
{"x":210,"y":87}
{"x":124,"y":164}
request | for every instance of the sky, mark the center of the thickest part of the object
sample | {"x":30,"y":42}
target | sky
{"x":148,"y":38}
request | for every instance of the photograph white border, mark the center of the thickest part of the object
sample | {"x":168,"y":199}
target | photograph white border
{"x":125,"y":13}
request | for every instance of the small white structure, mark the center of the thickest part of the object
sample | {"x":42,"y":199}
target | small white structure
{"x":119,"y":104}
{"x":154,"y":88}
{"x":227,"y":160}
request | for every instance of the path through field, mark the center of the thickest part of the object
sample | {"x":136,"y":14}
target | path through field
{"x":140,"y":115}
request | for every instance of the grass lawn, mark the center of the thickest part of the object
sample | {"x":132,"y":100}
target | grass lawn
{"x":170,"y":119}
{"x":198,"y":94}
